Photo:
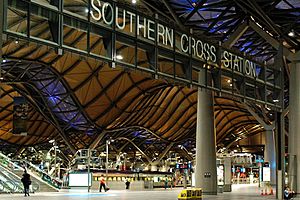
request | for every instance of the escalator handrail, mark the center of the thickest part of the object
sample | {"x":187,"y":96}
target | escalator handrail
{"x":15,"y":178}
{"x":58,"y":186}
{"x":44,"y":174}
{"x":9,"y":160}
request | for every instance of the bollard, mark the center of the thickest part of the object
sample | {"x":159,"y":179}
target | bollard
{"x":184,"y":194}
{"x":271,"y":191}
{"x":197,"y":194}
{"x":191,"y":194}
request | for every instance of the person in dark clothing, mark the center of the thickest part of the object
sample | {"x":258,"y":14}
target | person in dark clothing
{"x":288,"y":194}
{"x":26,"y":183}
{"x":127,"y":183}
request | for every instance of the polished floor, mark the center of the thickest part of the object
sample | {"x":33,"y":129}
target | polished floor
{"x":240,"y":192}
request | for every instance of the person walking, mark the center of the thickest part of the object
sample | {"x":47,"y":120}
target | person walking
{"x":26,"y":183}
{"x":102,"y":184}
{"x":127,"y":183}
{"x":166,"y":182}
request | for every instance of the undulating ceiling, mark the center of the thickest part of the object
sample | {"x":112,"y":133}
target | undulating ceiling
{"x":78,"y":100}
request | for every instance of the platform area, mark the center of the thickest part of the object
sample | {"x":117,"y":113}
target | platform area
{"x":240,"y":192}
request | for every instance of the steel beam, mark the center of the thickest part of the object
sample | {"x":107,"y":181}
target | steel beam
{"x":259,"y":120}
{"x":162,"y":154}
{"x":124,"y":138}
{"x":196,"y":8}
{"x":269,"y":38}
{"x":235,"y":36}
{"x":286,"y":111}
{"x":175,"y":17}
{"x":97,"y":140}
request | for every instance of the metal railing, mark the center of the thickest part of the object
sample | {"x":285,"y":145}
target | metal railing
{"x":9,"y":180}
{"x":57,"y":183}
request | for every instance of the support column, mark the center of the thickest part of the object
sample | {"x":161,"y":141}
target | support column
{"x":270,"y":154}
{"x":280,"y":145}
{"x":227,"y":172}
{"x":294,"y":127}
{"x":206,"y":168}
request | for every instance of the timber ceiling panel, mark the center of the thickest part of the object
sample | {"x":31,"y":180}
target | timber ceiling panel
{"x":83,"y":97}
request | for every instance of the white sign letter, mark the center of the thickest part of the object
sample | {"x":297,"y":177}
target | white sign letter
{"x":96,"y":9}
{"x":151,"y":30}
{"x":123,"y":19}
{"x":131,"y":16}
{"x":185,"y":50}
{"x":160,"y":32}
{"x":107,"y":5}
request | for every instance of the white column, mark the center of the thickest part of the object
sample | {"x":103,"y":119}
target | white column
{"x":227,"y":174}
{"x":294,"y":127}
{"x":270,"y":154}
{"x":206,"y":168}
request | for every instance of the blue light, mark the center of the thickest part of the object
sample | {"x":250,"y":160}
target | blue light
{"x":136,"y":133}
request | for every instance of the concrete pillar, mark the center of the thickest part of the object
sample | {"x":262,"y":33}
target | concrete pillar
{"x":294,"y":127}
{"x":206,"y":168}
{"x":227,"y":174}
{"x":270,"y":154}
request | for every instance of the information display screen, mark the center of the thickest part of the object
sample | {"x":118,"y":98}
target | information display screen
{"x":266,"y":174}
{"x":220,"y":174}
{"x":79,"y":180}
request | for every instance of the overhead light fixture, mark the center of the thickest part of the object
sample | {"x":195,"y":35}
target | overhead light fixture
{"x":230,"y":85}
{"x":228,"y":81}
{"x":51,"y":141}
{"x":17,"y":41}
{"x":133,"y":1}
{"x":291,"y":34}
{"x":4,"y":61}
{"x":86,"y":10}
{"x":119,"y":57}
{"x":275,"y":100}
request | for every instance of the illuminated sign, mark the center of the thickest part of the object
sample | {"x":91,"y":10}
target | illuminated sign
{"x":80,"y":180}
{"x":149,"y":29}
{"x":266,"y":174}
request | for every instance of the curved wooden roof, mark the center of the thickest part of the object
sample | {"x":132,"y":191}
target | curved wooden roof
{"x":75,"y":98}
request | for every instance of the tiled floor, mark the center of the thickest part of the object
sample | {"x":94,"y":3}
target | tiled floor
{"x":240,"y":192}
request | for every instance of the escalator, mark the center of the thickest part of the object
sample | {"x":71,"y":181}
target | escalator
{"x":6,"y":186}
{"x":46,"y":182}
{"x":10,"y":182}
{"x":11,"y":174}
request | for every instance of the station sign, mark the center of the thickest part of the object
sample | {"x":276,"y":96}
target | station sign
{"x":151,"y":30}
